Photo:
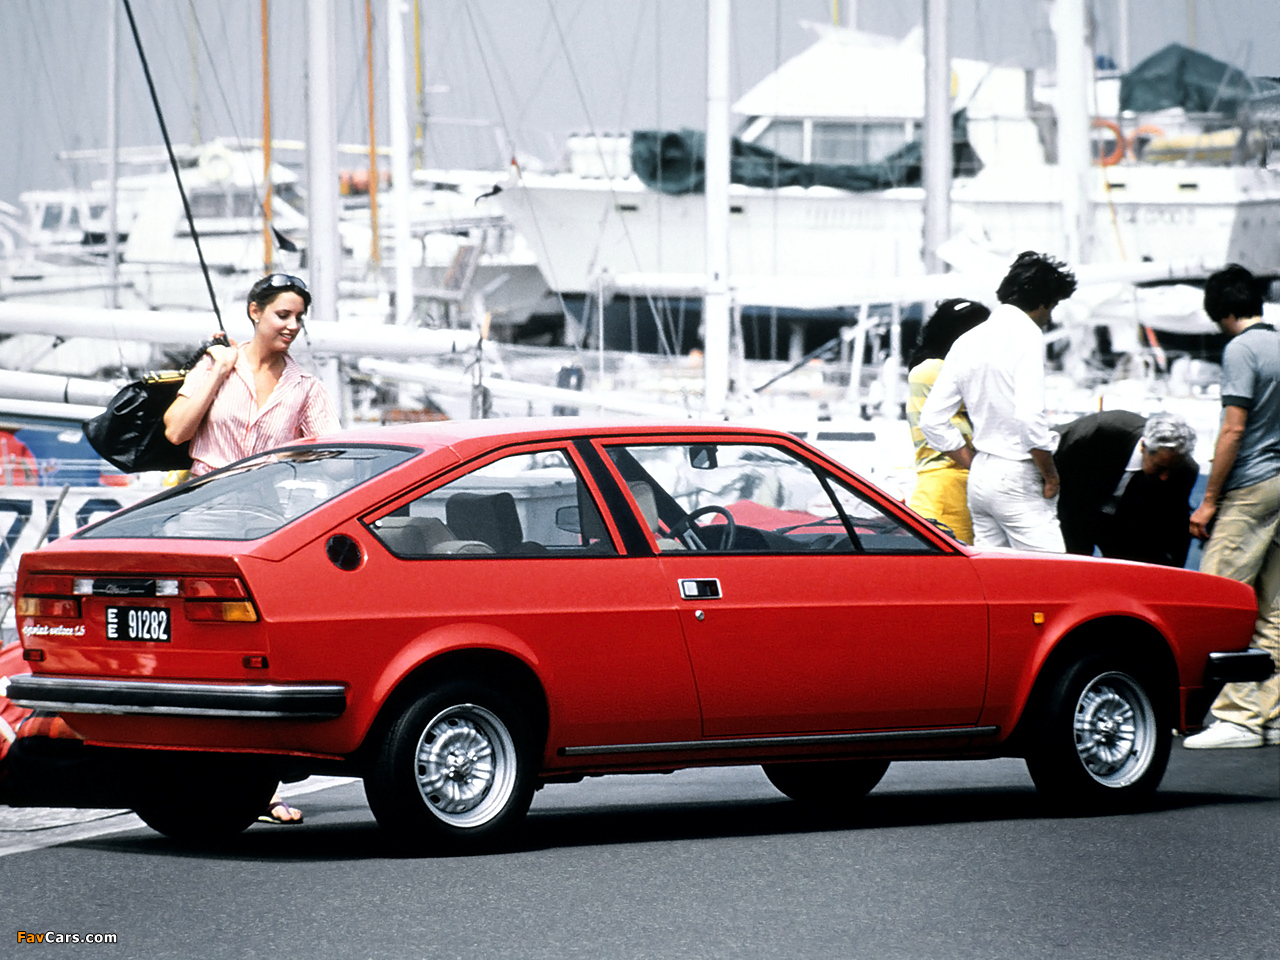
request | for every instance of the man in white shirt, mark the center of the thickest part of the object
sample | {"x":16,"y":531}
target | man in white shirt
{"x":996,"y":371}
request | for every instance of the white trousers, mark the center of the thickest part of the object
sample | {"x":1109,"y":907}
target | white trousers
{"x":1008,"y":507}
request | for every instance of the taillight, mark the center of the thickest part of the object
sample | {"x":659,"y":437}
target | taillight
{"x":63,"y":607}
{"x":218,"y":598}
{"x":48,"y":583}
{"x":228,"y":611}
{"x":229,"y":588}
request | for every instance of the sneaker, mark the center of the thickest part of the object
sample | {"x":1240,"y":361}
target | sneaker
{"x":1223,"y":734}
{"x":1271,"y":736}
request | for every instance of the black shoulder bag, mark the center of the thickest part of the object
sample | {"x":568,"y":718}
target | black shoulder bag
{"x":129,"y":434}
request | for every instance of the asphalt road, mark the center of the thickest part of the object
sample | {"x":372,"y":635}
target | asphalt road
{"x":943,"y":860}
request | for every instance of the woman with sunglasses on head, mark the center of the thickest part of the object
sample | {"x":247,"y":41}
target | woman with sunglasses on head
{"x":241,"y":400}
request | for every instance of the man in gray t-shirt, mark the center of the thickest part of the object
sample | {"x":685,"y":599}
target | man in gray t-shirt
{"x":1240,"y":513}
{"x":1251,"y":381}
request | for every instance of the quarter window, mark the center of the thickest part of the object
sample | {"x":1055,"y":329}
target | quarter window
{"x":527,"y":505}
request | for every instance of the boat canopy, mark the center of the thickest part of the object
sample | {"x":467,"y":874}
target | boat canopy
{"x":672,"y":161}
{"x":1178,"y":76}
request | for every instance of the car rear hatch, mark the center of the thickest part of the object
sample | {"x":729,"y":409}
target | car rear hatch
{"x":161,"y":614}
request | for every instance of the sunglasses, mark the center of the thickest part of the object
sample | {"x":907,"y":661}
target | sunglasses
{"x":279,"y":280}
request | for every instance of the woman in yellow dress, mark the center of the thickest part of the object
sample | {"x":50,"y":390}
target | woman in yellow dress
{"x":941,"y":485}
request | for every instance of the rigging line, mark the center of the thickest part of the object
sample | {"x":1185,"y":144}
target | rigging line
{"x":173,"y":161}
{"x":595,"y":133}
{"x":48,"y":78}
{"x":523,"y":110}
{"x":511,"y":146}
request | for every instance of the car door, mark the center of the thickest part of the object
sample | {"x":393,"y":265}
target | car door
{"x":826,"y":611}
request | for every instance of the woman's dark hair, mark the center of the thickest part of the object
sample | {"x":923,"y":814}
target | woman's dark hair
{"x":1233,"y":292}
{"x":1036,"y":280}
{"x":272,"y":285}
{"x":950,"y":319}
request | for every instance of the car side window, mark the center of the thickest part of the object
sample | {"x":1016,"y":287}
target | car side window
{"x":525,"y":505}
{"x":752,"y":498}
{"x":734,"y":498}
{"x":874,"y":529}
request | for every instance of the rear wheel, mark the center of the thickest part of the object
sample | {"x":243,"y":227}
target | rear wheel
{"x":1099,"y":742}
{"x":455,"y":771}
{"x":203,"y":802}
{"x":832,"y":784}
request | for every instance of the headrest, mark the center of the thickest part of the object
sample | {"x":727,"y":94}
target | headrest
{"x":492,"y":518}
{"x":643,"y":494}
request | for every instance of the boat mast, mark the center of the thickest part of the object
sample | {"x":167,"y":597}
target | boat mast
{"x":268,"y":248}
{"x":375,"y":255}
{"x":324,"y":248}
{"x":715,"y":304}
{"x":1074,"y":160}
{"x":113,"y":157}
{"x":420,"y":106}
{"x":402,"y":180}
{"x":937,"y":134}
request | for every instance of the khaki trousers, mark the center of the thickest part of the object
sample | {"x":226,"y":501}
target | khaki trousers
{"x":1243,"y":547}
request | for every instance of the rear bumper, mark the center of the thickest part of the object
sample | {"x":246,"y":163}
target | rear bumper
{"x":1241,"y":666}
{"x":256,"y":701}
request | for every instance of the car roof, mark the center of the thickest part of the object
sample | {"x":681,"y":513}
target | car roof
{"x":448,"y":433}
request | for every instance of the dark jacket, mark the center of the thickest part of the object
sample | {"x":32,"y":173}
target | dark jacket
{"x":1151,"y":520}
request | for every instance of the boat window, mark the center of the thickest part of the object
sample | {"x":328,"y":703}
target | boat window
{"x":252,"y":498}
{"x":856,"y":142}
{"x":205,"y":203}
{"x":288,"y":192}
{"x":73,"y":217}
{"x":526,"y":505}
{"x":52,"y":217}
{"x":97,"y":210}
{"x":785,"y":138}
{"x":244,"y":203}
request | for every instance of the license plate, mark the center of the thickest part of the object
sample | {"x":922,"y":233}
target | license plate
{"x":150,"y":624}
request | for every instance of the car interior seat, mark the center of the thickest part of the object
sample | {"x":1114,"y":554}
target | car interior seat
{"x":490,"y":518}
{"x":642,"y":492}
{"x":414,"y":537}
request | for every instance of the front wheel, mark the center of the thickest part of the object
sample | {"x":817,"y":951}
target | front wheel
{"x":831,"y":784}
{"x":1099,"y":740}
{"x":455,"y":771}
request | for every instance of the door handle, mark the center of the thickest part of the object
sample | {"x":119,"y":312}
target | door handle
{"x":704,"y":589}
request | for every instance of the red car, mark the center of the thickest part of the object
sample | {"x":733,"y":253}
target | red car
{"x":461,"y":612}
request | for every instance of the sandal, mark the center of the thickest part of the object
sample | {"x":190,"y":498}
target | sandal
{"x":278,"y":812}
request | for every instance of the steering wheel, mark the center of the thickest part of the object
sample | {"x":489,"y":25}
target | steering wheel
{"x":731,"y":525}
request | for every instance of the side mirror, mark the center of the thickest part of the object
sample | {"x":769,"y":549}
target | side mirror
{"x":703,"y":458}
{"x":569,"y":519}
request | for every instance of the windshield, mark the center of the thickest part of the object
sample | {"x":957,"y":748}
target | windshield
{"x":252,"y":498}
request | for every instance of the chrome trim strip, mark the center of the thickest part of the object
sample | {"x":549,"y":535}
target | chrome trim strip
{"x":806,"y":740}
{"x":178,"y":698}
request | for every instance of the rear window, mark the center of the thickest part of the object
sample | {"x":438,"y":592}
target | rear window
{"x":252,"y":498}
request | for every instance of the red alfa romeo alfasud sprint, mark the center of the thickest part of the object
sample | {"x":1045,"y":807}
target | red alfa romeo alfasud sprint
{"x":460,"y":612}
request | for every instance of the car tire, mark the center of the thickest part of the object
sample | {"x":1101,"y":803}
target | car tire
{"x":831,"y":784}
{"x":455,"y":773}
{"x":1100,"y":739}
{"x":203,"y":803}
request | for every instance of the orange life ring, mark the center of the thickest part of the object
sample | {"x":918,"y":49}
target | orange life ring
{"x":1116,"y":155}
{"x":1149,"y":129}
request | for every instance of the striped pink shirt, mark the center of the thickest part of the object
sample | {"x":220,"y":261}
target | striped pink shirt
{"x":234,"y":427}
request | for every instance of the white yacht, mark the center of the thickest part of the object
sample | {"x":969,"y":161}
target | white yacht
{"x":854,"y":98}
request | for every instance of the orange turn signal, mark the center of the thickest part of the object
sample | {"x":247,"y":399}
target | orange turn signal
{"x":65,"y":607}
{"x":226,"y":611}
